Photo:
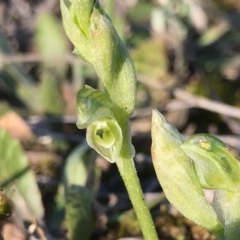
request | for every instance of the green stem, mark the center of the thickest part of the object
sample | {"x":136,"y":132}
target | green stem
{"x":128,"y":173}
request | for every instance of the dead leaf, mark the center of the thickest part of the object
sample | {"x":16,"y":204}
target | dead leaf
{"x":70,"y":98}
{"x":11,"y":231}
{"x":16,"y":126}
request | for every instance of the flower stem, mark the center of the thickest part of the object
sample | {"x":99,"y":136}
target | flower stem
{"x":128,"y":173}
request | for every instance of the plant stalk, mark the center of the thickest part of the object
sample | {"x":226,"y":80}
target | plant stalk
{"x":128,"y":173}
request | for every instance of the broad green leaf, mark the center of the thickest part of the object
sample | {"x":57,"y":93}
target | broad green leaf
{"x":15,"y":171}
{"x":51,"y":42}
{"x":52,"y":45}
{"x":57,"y":217}
{"x":79,"y":213}
{"x":75,"y":171}
{"x":80,"y":168}
{"x":51,"y":94}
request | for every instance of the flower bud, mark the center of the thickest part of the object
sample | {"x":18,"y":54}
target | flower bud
{"x":177,"y":177}
{"x":215,"y":163}
{"x":95,"y":111}
{"x":97,"y":42}
{"x":75,"y":31}
{"x":113,"y":63}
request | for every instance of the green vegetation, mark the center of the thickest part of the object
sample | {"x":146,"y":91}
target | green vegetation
{"x":96,"y":182}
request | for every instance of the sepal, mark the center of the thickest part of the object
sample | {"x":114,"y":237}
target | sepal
{"x":215,"y":163}
{"x":92,"y":104}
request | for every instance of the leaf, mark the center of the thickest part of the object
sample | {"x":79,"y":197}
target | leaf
{"x":75,"y":171}
{"x":79,"y":213}
{"x":57,"y":216}
{"x":52,"y":45}
{"x":15,"y":170}
{"x":79,"y":199}
{"x":51,"y":94}
{"x":51,"y":42}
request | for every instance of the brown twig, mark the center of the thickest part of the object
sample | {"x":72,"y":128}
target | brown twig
{"x":190,"y":100}
{"x":34,"y":57}
{"x":204,"y":103}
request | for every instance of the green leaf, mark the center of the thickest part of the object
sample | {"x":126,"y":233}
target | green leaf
{"x":57,"y":216}
{"x":51,"y":94}
{"x":79,"y":213}
{"x":215,"y":163}
{"x":177,"y":177}
{"x":75,"y":171}
{"x":51,"y":43}
{"x":15,"y":171}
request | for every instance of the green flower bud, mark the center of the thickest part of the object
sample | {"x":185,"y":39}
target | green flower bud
{"x":215,"y":163}
{"x":97,"y":42}
{"x":177,"y":177}
{"x":76,"y":33}
{"x":113,"y":63}
{"x":95,"y":112}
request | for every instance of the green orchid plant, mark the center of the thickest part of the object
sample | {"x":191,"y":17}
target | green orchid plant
{"x":106,"y":114}
{"x":184,"y":169}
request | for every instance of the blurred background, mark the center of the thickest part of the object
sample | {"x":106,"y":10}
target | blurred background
{"x":187,"y":59}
